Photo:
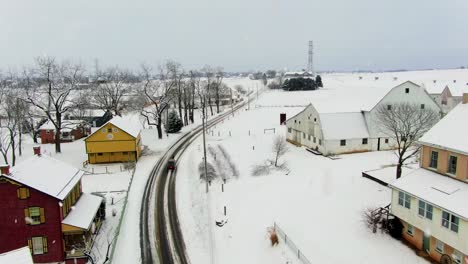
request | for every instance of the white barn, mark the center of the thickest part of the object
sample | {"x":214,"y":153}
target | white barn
{"x":353,"y":128}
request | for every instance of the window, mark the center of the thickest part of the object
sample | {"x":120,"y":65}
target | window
{"x":404,"y":199}
{"x":125,"y":153}
{"x":109,"y":130}
{"x":315,"y":139}
{"x":386,"y":141}
{"x":23,"y":193}
{"x":439,"y":246}
{"x":410,"y":230}
{"x":406,"y":90}
{"x":434,"y":157}
{"x":320,"y":142}
{"x":315,"y":119}
{"x":452,"y":166}
{"x":303,"y":135}
{"x":103,"y":130}
{"x":114,"y":129}
{"x":450,"y":221}
{"x":457,"y":256}
{"x":343,"y":142}
{"x":38,"y":245}
{"x":99,"y":154}
{"x":308,"y":138}
{"x":47,"y":131}
{"x":34,"y":215}
{"x":389,"y":107}
{"x":295,"y":121}
{"x":299,"y":122}
{"x":423,"y":106}
{"x":289,"y":130}
{"x":364,"y":141}
{"x":425,"y":209}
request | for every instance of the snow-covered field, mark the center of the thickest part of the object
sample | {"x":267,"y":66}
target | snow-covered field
{"x":318,"y":202}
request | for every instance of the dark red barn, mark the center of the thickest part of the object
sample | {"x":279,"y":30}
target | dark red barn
{"x":71,"y":131}
{"x":44,"y":208}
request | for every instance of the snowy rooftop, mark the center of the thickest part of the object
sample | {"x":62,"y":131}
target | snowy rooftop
{"x":443,"y":191}
{"x":17,"y":256}
{"x":456,"y":88}
{"x":51,"y":176}
{"x":129,"y":124}
{"x":333,"y":123}
{"x":451,"y":131}
{"x":83,"y":211}
{"x":388,"y":174}
{"x":67,"y":125}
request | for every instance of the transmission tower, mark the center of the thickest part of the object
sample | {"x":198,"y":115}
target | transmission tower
{"x":310,"y":64}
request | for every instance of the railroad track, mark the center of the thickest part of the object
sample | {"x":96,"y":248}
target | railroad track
{"x":161,"y":239}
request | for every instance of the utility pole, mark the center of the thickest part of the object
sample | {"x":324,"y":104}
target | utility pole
{"x":204,"y":145}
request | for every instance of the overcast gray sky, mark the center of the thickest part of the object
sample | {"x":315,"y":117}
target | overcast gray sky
{"x":239,"y":34}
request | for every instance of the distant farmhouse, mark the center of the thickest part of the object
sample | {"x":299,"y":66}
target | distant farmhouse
{"x":446,"y":94}
{"x":118,"y":140}
{"x":343,"y":125}
{"x":43,"y":208}
{"x":431,"y":201}
{"x":71,"y":131}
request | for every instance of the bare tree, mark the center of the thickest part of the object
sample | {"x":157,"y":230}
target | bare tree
{"x":52,"y":96}
{"x":279,"y":148}
{"x":405,"y":123}
{"x":158,"y":97}
{"x":114,"y":84}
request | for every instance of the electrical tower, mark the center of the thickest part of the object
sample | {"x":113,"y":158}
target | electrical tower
{"x":310,"y":64}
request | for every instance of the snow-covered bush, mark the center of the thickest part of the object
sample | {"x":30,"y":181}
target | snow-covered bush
{"x":210,"y":171}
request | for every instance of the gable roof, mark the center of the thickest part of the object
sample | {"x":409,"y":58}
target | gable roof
{"x":129,"y":124}
{"x":17,"y":256}
{"x":337,"y":126}
{"x":46,"y":174}
{"x":67,"y":125}
{"x":451,"y":131}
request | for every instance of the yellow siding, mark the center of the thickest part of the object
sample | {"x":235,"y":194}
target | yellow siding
{"x":111,"y":144}
{"x":443,"y":159}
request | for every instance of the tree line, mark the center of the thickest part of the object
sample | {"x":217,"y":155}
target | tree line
{"x":51,"y":91}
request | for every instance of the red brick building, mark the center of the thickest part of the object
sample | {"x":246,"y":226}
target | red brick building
{"x":71,"y":131}
{"x":44,"y":208}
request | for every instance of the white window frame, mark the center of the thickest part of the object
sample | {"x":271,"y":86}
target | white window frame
{"x":450,"y":222}
{"x":439,"y":247}
{"x":457,"y":256}
{"x":406,"y":198}
{"x":448,"y":165}
{"x":410,"y":230}
{"x":436,"y":160}
{"x":37,"y":245}
{"x":425,"y":209}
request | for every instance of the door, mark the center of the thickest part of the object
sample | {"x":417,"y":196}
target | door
{"x":378,"y":144}
{"x":426,"y":243}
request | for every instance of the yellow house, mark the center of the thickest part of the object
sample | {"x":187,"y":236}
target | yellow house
{"x":431,"y":201}
{"x":118,"y":140}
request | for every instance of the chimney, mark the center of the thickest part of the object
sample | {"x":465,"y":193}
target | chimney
{"x":454,"y":81}
{"x":434,"y":81}
{"x":37,"y":150}
{"x":465,"y":98}
{"x":5,"y":169}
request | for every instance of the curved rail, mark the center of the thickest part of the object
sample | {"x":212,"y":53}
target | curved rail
{"x":167,"y":235}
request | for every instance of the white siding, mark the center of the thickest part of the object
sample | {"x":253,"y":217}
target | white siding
{"x":434,"y":226}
